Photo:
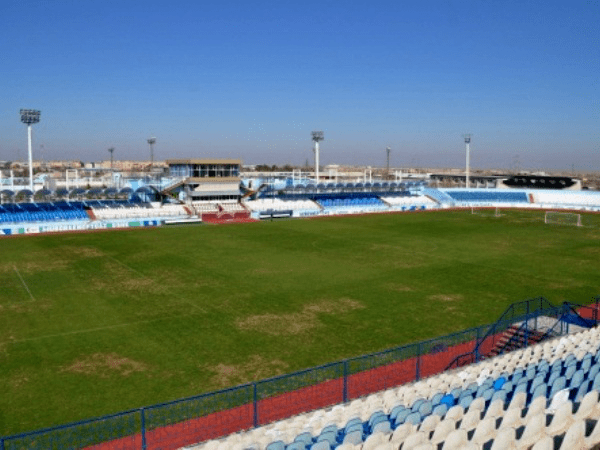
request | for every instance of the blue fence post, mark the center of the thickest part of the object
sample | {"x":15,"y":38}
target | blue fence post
{"x":1,"y":444}
{"x":143,"y":420}
{"x":418,"y":371}
{"x":477,"y":344}
{"x":345,"y":393}
{"x":255,"y":401}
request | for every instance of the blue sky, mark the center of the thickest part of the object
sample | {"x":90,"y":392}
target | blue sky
{"x":250,"y":80}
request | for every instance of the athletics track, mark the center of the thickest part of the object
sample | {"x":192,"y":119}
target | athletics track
{"x":282,"y":406}
{"x":306,"y":399}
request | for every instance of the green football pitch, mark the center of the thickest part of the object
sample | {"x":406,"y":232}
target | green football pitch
{"x":96,"y":323}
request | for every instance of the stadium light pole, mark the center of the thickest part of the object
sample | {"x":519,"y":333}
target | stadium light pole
{"x":317,"y":136}
{"x":111,"y":151}
{"x":467,"y":145}
{"x":29,"y":117}
{"x":388,"y":150}
{"x":151,"y":142}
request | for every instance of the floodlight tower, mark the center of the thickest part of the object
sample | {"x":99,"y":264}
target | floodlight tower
{"x":111,"y":151}
{"x":29,"y":117}
{"x":151,"y":142}
{"x":388,"y":150}
{"x":317,"y":136}
{"x":467,"y":144}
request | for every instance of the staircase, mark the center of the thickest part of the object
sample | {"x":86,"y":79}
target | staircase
{"x":439,"y":197}
{"x":91,"y":214}
{"x":514,"y":338}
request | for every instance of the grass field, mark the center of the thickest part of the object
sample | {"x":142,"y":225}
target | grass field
{"x":92,"y":324}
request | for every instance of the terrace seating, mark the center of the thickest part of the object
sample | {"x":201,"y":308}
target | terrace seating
{"x":137,"y":211}
{"x":543,"y":396}
{"x":350,"y":202}
{"x":276,"y":204}
{"x":231,"y":206}
{"x":205,"y":207}
{"x":408,"y":201}
{"x":11,"y":213}
{"x":573,"y":199}
{"x":487,"y":196}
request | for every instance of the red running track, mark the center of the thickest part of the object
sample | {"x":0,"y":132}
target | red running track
{"x":282,"y":406}
{"x":306,"y":399}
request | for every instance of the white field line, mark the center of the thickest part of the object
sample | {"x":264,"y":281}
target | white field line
{"x":24,"y":285}
{"x":180,"y":300}
{"x":92,"y":330}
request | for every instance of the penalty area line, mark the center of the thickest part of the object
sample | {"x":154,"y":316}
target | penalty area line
{"x":128,"y":267}
{"x":24,"y":284}
{"x":93,"y":330}
{"x":180,"y":300}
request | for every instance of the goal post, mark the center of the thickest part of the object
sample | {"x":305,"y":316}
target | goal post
{"x":486,"y":211}
{"x":562,"y":218}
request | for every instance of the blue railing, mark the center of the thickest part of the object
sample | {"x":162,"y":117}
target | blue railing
{"x":191,"y":420}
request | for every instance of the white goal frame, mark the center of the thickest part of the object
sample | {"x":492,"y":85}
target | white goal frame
{"x":477,"y":210}
{"x":569,"y":218}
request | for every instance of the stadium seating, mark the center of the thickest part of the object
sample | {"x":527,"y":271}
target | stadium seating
{"x":408,"y":201}
{"x":350,"y":202}
{"x":541,"y":397}
{"x":572,"y":199}
{"x":276,"y":204}
{"x":488,"y":196}
{"x":109,"y":210}
{"x":42,"y":212}
{"x":205,"y":207}
{"x":231,"y":206}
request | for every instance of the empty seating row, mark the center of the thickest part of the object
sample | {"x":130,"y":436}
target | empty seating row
{"x":231,"y":206}
{"x":139,"y":213}
{"x":545,"y":392}
{"x":567,"y":198}
{"x":41,"y":212}
{"x":350,"y":202}
{"x":205,"y":207}
{"x":488,"y":196}
{"x":412,"y":200}
{"x":96,"y":204}
{"x":265,"y":204}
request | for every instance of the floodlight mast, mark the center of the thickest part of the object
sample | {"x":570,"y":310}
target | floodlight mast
{"x":29,"y":117}
{"x":388,"y":150}
{"x":467,"y":145}
{"x":111,"y":151}
{"x":317,"y":136}
{"x":151,"y":142}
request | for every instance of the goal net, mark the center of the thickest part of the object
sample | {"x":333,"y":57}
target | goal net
{"x":486,"y":211}
{"x":562,"y":218}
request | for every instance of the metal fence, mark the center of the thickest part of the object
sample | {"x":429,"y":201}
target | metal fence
{"x":191,"y":420}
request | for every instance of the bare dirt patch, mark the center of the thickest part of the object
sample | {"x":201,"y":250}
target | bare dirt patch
{"x":25,"y":307}
{"x":297,"y":323}
{"x":270,"y":271}
{"x":105,"y":365}
{"x":83,"y":251}
{"x":118,"y":280}
{"x":41,"y":265}
{"x":255,"y":368}
{"x":398,"y":287}
{"x":446,"y":297}
{"x":18,"y":380}
{"x":591,"y":250}
{"x":566,"y":284}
